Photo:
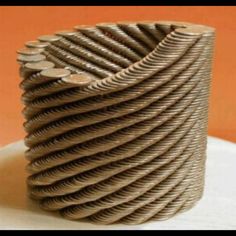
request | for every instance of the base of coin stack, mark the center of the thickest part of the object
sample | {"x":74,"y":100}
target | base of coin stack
{"x":116,"y":119}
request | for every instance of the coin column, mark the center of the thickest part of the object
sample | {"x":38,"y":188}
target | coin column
{"x":121,"y":140}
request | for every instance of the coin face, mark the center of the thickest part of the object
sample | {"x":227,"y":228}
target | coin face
{"x":31,"y":58}
{"x":105,"y":25}
{"x":36,"y":44}
{"x":127,"y":23}
{"x":193,"y":30}
{"x":48,"y":38}
{"x":38,"y":66}
{"x":66,"y":33}
{"x":29,"y":51}
{"x":80,"y":27}
{"x":79,"y":79}
{"x":55,"y":73}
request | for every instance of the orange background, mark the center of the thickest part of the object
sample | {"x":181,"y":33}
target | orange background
{"x":21,"y":24}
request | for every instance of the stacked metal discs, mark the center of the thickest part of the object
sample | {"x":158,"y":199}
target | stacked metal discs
{"x":116,"y":119}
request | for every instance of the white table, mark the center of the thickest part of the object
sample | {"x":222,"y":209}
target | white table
{"x":216,"y":210}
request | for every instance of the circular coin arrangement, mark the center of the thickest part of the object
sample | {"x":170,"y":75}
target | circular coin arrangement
{"x":116,"y":119}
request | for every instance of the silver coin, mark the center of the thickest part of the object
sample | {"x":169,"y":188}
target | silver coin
{"x":36,"y":44}
{"x":33,"y":58}
{"x":66,"y":33}
{"x":29,"y":51}
{"x":48,"y":38}
{"x":79,"y":79}
{"x":55,"y":73}
{"x":79,"y":27}
{"x":38,"y":66}
{"x":194,"y":30}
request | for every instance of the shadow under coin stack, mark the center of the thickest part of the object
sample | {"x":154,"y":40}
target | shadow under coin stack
{"x":116,"y":119}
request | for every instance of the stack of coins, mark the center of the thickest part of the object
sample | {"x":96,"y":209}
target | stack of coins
{"x":116,"y":119}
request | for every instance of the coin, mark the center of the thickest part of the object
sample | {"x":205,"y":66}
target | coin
{"x":65,"y":33}
{"x":48,"y":38}
{"x":127,"y":23}
{"x":29,"y":51}
{"x":194,"y":30}
{"x":105,"y":25}
{"x":38,"y":66}
{"x":55,"y":73}
{"x":78,"y":27}
{"x":36,"y":44}
{"x":33,"y":58}
{"x":79,"y":79}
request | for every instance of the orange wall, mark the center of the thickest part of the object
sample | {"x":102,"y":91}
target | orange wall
{"x":20,"y":24}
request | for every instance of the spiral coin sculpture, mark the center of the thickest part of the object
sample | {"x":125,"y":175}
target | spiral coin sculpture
{"x":116,"y":119}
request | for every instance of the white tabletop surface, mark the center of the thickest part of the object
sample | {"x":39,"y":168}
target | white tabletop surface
{"x":216,"y":210}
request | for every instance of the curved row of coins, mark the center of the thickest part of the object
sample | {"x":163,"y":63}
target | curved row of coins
{"x":116,"y":119}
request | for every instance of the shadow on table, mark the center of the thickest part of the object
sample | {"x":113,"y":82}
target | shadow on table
{"x":13,"y":193}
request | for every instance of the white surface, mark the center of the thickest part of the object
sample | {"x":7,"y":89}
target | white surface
{"x":216,"y":210}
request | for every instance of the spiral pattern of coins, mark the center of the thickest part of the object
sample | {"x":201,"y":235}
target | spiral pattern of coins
{"x":116,"y":119}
